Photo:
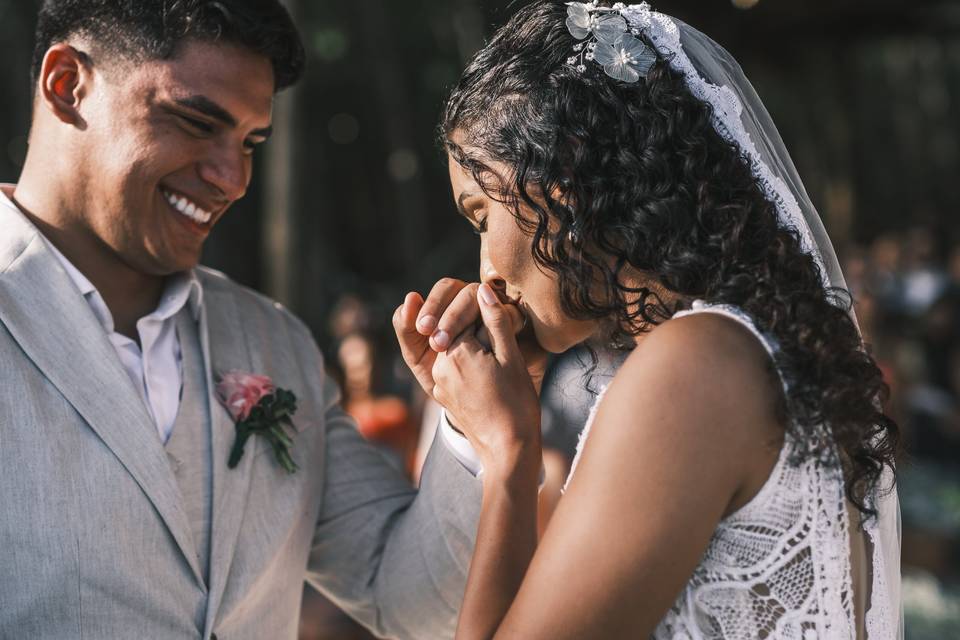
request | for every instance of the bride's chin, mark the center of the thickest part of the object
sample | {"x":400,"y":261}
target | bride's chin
{"x":552,"y":340}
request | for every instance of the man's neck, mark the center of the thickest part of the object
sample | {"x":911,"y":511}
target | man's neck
{"x":128,"y":293}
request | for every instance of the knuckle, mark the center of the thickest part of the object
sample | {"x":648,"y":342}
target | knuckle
{"x":495,"y":322}
{"x":447,"y":283}
{"x":454,"y":322}
{"x":463,"y":300}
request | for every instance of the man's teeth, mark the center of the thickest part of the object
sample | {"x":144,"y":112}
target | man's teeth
{"x":187,"y":208}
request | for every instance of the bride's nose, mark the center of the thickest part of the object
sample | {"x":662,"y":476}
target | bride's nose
{"x":488,"y":273}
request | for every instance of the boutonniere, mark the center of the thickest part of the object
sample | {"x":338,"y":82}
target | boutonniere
{"x":258,"y":408}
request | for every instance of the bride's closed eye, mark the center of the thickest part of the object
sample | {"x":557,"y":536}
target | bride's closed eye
{"x":480,"y":226}
{"x":471,"y":207}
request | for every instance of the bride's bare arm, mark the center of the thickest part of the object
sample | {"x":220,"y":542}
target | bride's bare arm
{"x":686,"y":433}
{"x":506,"y":541}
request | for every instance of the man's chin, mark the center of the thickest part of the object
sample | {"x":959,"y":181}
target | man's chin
{"x":183,"y":266}
{"x":168,"y":266}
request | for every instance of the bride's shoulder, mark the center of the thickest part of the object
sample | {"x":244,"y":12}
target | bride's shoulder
{"x":697,"y":392}
{"x":704,"y":345}
{"x":704,"y":365}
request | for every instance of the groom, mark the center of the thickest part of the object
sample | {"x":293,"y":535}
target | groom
{"x":119,"y":514}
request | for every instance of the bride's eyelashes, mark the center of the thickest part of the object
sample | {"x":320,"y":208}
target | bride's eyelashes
{"x":480,"y":227}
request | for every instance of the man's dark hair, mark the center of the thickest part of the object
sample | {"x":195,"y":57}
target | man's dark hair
{"x":139,"y":30}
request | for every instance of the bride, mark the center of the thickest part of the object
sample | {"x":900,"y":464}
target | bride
{"x":736,"y":477}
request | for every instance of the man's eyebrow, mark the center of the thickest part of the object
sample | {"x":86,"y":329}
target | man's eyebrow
{"x":211,"y":109}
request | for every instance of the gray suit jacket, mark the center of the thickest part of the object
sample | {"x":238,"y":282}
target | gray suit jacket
{"x":94,"y":540}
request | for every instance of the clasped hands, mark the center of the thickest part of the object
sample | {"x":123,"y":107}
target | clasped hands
{"x":470,"y":350}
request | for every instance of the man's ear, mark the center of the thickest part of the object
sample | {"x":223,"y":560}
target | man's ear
{"x":63,"y":83}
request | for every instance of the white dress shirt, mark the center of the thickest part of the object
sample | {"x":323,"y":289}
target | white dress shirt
{"x":460,"y":447}
{"x":155,"y":365}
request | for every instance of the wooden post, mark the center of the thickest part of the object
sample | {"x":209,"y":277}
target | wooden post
{"x":280,"y":249}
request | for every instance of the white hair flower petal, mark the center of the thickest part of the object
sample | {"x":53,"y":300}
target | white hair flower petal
{"x":585,"y":20}
{"x":609,"y":40}
{"x":627,"y":59}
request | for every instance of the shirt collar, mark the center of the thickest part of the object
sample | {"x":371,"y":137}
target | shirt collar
{"x":181,"y":289}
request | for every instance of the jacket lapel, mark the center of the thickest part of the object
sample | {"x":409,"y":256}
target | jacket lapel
{"x":53,"y":324}
{"x":226,"y":348}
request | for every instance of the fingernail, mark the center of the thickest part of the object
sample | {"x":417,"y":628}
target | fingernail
{"x":427,"y":323}
{"x":442,"y":338}
{"x":486,"y":295}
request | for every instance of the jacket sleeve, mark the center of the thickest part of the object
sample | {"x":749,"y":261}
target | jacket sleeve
{"x":392,"y":557}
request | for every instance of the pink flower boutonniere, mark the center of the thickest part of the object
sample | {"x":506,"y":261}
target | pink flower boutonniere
{"x":258,"y":407}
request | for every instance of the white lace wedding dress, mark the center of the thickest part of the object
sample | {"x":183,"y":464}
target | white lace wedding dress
{"x":780,"y":566}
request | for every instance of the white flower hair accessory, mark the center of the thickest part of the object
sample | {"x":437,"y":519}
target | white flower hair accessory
{"x":609,"y":40}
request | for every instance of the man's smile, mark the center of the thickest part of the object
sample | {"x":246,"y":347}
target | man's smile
{"x":187,"y":207}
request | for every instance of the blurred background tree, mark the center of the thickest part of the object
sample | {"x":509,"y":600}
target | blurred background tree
{"x":350,"y":202}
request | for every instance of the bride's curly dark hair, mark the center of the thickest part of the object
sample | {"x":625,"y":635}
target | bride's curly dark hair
{"x":638,"y":173}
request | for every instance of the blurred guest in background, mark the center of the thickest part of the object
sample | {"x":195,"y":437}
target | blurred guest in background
{"x":382,"y":418}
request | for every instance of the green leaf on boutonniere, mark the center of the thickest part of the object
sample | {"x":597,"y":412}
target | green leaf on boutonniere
{"x":268,"y":419}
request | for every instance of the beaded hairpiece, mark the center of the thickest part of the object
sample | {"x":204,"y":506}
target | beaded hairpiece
{"x":610,"y":40}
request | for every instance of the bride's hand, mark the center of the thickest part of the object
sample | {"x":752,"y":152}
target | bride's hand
{"x":426,"y":328}
{"x":488,"y":391}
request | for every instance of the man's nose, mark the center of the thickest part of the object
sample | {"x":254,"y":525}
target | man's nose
{"x":228,"y":170}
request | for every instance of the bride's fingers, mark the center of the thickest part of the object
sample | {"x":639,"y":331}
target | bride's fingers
{"x":466,"y":345}
{"x":459,"y":316}
{"x":517,"y":320}
{"x":499,"y":324}
{"x":439,"y":298}
{"x":412,"y":344}
{"x":405,"y":318}
{"x":412,"y":304}
{"x":457,"y":367}
{"x":414,"y":348}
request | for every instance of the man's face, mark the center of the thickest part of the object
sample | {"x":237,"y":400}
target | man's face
{"x":168,"y":148}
